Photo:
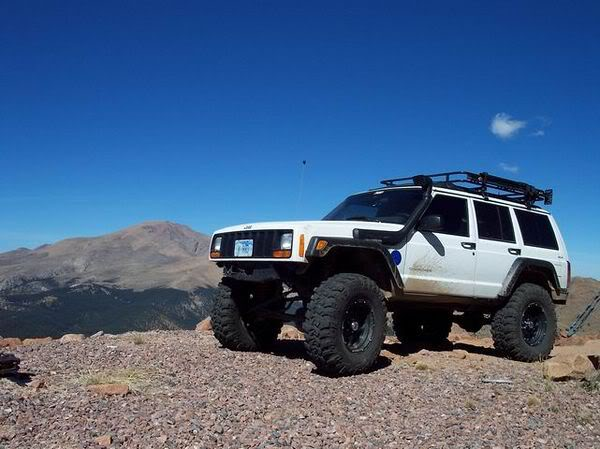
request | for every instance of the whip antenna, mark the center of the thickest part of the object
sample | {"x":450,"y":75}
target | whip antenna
{"x":301,"y":187}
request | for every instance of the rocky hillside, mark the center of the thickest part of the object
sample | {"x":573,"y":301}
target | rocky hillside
{"x":581,"y":293}
{"x":154,"y":275}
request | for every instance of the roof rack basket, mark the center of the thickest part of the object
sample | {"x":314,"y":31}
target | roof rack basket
{"x":483,"y":184}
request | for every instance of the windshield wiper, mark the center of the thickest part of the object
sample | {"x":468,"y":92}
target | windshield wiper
{"x":360,"y":218}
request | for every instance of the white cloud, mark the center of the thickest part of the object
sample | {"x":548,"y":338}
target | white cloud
{"x":539,"y":133}
{"x":504,"y":126}
{"x":509,"y":168}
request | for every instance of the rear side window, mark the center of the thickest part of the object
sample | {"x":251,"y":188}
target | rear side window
{"x":493,"y":222}
{"x":454,"y":213}
{"x":536,"y":230}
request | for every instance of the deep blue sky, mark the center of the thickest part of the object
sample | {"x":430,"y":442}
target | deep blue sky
{"x":112,"y":113}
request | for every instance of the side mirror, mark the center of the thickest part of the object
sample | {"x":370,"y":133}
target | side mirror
{"x":431,"y":223}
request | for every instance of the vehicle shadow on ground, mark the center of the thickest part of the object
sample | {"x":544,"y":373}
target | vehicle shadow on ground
{"x":294,"y":349}
{"x":404,"y":349}
{"x":21,"y":379}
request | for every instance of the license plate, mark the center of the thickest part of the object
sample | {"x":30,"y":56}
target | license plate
{"x":243,"y":248}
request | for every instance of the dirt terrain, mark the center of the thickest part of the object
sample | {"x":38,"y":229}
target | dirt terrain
{"x":181,"y":390}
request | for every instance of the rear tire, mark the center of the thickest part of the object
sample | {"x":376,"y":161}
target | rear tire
{"x":345,"y":324}
{"x":234,"y":328}
{"x":525,"y":328}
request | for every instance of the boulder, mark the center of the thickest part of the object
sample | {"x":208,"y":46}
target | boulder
{"x":36,"y":341}
{"x":566,"y":367}
{"x":290,"y":333}
{"x":97,"y":334}
{"x":69,"y":338}
{"x":459,"y":354}
{"x":204,"y":326}
{"x":10,"y":342}
{"x":109,"y":389}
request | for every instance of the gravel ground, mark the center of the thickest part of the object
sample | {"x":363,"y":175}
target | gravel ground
{"x":190,"y":393}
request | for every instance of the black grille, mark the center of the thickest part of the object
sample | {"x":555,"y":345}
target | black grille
{"x":264,"y":242}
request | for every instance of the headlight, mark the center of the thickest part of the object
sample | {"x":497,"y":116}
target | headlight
{"x":217,"y":244}
{"x":286,"y":241}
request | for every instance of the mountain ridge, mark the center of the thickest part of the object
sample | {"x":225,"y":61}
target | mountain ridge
{"x":151,"y":254}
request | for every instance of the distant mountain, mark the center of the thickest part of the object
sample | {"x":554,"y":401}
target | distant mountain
{"x":152,"y":275}
{"x":148,"y":255}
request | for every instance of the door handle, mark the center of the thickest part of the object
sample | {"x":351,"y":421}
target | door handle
{"x":515,"y":251}
{"x":468,"y":245}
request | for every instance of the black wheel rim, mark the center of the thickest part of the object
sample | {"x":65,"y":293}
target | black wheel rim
{"x":534,"y":324}
{"x":358,"y":324}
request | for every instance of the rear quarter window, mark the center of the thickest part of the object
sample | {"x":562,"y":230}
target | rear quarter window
{"x":536,"y":230}
{"x":494,"y":222}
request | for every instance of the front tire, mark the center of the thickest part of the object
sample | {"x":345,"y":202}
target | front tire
{"x":525,"y":328}
{"x":235,"y":328}
{"x":345,"y":324}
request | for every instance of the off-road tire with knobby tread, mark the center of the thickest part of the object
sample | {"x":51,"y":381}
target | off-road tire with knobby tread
{"x":431,"y":326}
{"x":324,"y":320}
{"x":236,"y":331}
{"x":506,"y":324}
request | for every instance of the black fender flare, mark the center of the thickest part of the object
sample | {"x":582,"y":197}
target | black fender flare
{"x":522,"y":264}
{"x":340,"y":242}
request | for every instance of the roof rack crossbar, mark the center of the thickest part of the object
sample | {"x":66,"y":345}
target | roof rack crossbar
{"x":482,"y":183}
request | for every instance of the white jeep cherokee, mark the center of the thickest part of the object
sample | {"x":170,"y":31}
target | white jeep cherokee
{"x":452,"y":247}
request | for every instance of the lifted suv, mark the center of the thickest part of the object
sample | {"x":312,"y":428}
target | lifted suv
{"x":452,"y":247}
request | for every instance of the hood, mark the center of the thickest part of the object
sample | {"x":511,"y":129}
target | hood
{"x":321,"y":228}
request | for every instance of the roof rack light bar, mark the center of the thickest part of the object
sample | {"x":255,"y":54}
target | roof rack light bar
{"x":482,"y":183}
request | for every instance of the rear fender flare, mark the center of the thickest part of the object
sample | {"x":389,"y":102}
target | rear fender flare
{"x":523,"y":264}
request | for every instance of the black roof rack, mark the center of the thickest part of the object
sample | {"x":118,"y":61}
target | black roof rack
{"x":481,"y":183}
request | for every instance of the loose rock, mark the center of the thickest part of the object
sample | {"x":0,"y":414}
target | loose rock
{"x":109,"y":389}
{"x":204,"y":326}
{"x":37,"y":384}
{"x":290,"y":333}
{"x":36,"y":341}
{"x":10,"y":342}
{"x":459,"y":354}
{"x":69,"y":338}
{"x":104,"y":441}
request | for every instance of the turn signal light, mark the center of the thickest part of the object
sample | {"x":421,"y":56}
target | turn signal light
{"x":301,"y":246}
{"x":215,"y":254}
{"x":282,"y":253}
{"x":321,"y":245}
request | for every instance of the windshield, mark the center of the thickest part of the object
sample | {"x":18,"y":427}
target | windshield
{"x":391,"y":206}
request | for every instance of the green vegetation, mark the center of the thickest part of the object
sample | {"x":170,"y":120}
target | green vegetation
{"x":137,"y":379}
{"x":88,"y":308}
